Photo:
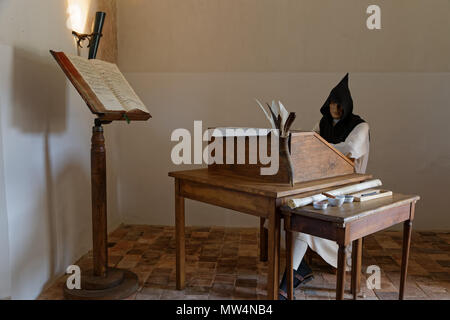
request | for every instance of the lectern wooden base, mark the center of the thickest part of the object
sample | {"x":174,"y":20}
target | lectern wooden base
{"x":118,"y":284}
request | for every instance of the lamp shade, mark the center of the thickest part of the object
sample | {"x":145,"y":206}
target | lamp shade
{"x":98,"y":28}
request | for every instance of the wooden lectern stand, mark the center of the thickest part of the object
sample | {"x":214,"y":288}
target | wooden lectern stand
{"x":102,"y":283}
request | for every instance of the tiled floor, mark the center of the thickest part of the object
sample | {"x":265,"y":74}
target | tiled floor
{"x":223,"y":263}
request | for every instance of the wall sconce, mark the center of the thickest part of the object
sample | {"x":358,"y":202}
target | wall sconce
{"x":94,"y":37}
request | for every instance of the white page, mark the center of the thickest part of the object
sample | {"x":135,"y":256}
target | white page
{"x":97,"y":83}
{"x":119,"y":85}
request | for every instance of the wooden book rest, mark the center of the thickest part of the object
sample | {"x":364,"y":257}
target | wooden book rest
{"x":101,"y":283}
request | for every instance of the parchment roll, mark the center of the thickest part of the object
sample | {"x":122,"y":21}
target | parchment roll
{"x":301,"y":202}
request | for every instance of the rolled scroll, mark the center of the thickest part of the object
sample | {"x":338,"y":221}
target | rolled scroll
{"x":301,"y":202}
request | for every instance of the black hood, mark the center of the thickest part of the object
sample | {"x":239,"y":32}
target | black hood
{"x":342,"y":96}
{"x":339,"y":132}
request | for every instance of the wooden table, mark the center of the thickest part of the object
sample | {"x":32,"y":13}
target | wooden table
{"x":260,"y":199}
{"x":349,"y":224}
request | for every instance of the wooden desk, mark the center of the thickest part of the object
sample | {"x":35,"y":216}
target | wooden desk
{"x":246,"y":195}
{"x":349,"y":224}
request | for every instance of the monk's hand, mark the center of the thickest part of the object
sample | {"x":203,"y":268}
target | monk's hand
{"x":349,"y":156}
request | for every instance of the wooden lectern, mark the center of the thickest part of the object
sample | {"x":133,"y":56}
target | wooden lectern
{"x":109,"y":96}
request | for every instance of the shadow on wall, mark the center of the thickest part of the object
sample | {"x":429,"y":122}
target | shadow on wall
{"x":39,"y":109}
{"x":68,"y":219}
{"x":39,"y":94}
{"x":52,"y":244}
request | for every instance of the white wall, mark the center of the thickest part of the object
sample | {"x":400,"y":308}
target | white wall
{"x":282,"y":36}
{"x":5,"y":274}
{"x":207,"y":60}
{"x":407,"y":113}
{"x":46,"y":131}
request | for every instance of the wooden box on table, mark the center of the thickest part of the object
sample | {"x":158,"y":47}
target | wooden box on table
{"x":312,"y":158}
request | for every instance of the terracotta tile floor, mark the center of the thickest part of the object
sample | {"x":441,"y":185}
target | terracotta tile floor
{"x":223,"y":263}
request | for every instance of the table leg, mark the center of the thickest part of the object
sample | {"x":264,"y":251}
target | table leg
{"x":407,"y":228}
{"x":273,"y":263}
{"x":262,"y":240}
{"x":180,"y":236}
{"x":278,"y":251}
{"x":289,"y":266}
{"x":356,"y":267}
{"x":340,"y":281}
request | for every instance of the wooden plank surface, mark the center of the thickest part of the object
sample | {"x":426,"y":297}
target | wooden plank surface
{"x":313,"y":158}
{"x":273,"y":190}
{"x":352,"y":211}
{"x":376,"y":222}
{"x":325,"y":142}
{"x":253,"y":204}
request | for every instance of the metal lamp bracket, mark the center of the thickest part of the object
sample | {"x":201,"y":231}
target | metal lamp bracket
{"x":83,"y":36}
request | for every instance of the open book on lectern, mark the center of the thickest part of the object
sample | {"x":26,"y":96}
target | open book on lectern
{"x":103,"y":87}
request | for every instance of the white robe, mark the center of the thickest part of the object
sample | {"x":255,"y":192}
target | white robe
{"x":356,"y":146}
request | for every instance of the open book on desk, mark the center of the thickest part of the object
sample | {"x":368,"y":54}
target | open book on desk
{"x":103,"y":87}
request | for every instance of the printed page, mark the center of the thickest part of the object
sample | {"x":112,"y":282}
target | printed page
{"x":96,"y":82}
{"x":119,"y":86}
